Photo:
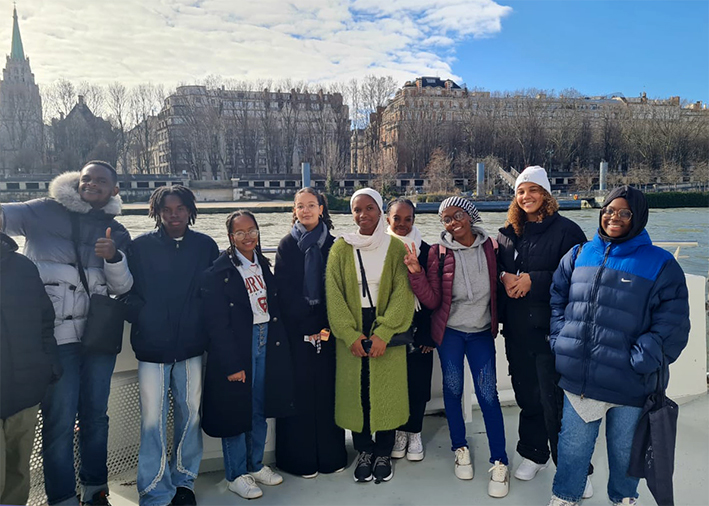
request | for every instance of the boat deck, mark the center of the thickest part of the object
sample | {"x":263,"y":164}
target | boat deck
{"x":432,"y":482}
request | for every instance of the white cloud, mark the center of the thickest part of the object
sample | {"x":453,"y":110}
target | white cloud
{"x":173,"y":41}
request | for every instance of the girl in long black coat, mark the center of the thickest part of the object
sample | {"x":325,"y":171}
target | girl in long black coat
{"x":309,"y":442}
{"x":249,"y":376}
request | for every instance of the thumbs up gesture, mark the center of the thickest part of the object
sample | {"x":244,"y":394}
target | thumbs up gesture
{"x":105,"y":247}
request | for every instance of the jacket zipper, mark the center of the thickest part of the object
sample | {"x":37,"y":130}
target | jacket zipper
{"x":592,"y":326}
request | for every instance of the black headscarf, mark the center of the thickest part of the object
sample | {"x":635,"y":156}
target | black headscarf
{"x":638,"y":205}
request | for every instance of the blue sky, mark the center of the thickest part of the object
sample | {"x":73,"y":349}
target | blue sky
{"x":597,"y":47}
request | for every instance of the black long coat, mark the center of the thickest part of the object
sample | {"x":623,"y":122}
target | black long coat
{"x":28,"y":351}
{"x":539,"y":251}
{"x":226,"y":405}
{"x":310,"y":441}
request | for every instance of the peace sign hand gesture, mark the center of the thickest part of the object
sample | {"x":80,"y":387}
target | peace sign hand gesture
{"x":411,"y":259}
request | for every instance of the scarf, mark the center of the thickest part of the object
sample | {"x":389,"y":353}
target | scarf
{"x":413,"y":237}
{"x":368,"y":242}
{"x":310,"y":244}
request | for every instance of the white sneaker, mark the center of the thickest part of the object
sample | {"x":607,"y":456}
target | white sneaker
{"x":399,"y":450}
{"x":245,"y":486}
{"x":588,"y":489}
{"x":555,"y":501}
{"x":528,"y":469}
{"x":627,"y":501}
{"x":463,"y":466}
{"x":310,"y":476}
{"x":499,"y":485}
{"x":414,"y":452}
{"x":267,"y":476}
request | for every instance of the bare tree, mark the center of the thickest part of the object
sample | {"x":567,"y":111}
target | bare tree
{"x":117,"y":105}
{"x":94,"y":97}
{"x":59,"y":98}
{"x":439,"y":173}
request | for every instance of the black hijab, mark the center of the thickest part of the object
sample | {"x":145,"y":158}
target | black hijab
{"x":638,"y":205}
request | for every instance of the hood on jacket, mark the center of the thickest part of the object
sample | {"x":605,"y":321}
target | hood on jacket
{"x":480,"y":237}
{"x":7,"y":244}
{"x":65,"y":189}
{"x":638,"y":205}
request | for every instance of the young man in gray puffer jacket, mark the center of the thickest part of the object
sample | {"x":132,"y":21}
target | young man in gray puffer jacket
{"x":91,"y":198}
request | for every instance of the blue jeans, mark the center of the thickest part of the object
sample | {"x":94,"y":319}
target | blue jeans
{"x":156,"y":483}
{"x":83,"y":389}
{"x":479,"y":348}
{"x":244,"y":453}
{"x":576,"y":442}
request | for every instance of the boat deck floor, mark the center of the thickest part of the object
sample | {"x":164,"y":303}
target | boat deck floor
{"x":432,"y":482}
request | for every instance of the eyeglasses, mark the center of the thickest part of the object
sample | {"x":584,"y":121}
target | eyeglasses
{"x":623,"y":214}
{"x":241,"y":235}
{"x":458,"y":216}
{"x":309,"y":207}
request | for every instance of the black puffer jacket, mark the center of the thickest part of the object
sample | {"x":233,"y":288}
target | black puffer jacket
{"x":539,"y":251}
{"x":28,"y":351}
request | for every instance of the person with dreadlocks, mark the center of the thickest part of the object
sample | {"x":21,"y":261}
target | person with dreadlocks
{"x":169,"y":341}
{"x":249,"y":371}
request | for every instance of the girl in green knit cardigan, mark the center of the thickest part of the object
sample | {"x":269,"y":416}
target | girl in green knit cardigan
{"x":370,"y":386}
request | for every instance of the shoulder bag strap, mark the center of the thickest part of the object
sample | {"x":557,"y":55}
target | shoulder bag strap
{"x":365,"y":285}
{"x":75,"y":238}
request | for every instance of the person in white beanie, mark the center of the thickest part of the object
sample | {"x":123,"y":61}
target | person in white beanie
{"x":531,"y":245}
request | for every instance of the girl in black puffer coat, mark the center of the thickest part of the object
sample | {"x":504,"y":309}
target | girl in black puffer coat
{"x":531,"y":244}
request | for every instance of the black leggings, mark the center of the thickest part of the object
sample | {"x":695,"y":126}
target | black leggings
{"x":363,"y":440}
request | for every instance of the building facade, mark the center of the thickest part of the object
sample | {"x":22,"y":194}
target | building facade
{"x":21,"y":128}
{"x":79,"y":137}
{"x":221,"y":134}
{"x":555,"y":131}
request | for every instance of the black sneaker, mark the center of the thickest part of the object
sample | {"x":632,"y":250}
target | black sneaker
{"x":363,"y":470}
{"x":100,"y":498}
{"x":382,"y":469}
{"x":184,"y":497}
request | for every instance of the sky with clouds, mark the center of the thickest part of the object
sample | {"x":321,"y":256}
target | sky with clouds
{"x":597,"y":47}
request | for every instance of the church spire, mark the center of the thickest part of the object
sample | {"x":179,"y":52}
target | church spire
{"x":17,"y":53}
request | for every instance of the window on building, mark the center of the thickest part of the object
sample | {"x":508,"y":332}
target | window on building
{"x":290,"y":184}
{"x":242,"y":184}
{"x":32,"y":186}
{"x":274,"y":184}
{"x":349,"y":184}
{"x":259,"y":184}
{"x":143,"y":184}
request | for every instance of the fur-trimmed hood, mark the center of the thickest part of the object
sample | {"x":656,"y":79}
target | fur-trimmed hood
{"x":64,"y":189}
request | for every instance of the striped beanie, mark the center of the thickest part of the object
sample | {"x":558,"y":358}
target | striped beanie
{"x":465,"y":204}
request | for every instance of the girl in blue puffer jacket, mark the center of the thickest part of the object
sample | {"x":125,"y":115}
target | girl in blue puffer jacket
{"x":620,"y":312}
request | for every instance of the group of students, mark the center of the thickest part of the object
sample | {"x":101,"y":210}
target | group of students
{"x":339,"y":337}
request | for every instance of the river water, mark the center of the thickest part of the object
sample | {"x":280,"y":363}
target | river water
{"x":666,"y":225}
